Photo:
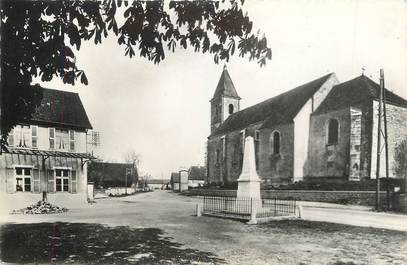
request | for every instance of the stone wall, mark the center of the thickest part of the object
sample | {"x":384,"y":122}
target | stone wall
{"x":229,"y":166}
{"x":397,"y":131}
{"x":329,"y":160}
{"x":348,"y":197}
{"x":277,"y":169}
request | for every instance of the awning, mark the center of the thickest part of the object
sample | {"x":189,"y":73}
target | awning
{"x":47,"y":153}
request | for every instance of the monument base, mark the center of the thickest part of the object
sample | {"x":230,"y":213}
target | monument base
{"x":248,"y":189}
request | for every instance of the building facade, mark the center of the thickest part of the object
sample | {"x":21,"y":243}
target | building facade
{"x":343,"y":133}
{"x":47,"y":153}
{"x":291,"y":133}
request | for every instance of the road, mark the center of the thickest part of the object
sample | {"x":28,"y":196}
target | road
{"x":356,"y":217}
{"x":293,"y":242}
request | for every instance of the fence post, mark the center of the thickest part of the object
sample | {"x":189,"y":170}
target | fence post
{"x":275,"y":206}
{"x":253,"y":212}
{"x":299,"y":211}
{"x":198,"y":210}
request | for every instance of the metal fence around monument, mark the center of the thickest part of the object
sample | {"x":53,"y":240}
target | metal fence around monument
{"x":241,"y":208}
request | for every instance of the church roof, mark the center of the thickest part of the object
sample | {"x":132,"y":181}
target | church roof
{"x":225,"y":86}
{"x":60,"y":108}
{"x":277,"y":110}
{"x":355,"y":91}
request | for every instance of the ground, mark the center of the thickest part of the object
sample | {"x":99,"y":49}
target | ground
{"x":161,"y":228}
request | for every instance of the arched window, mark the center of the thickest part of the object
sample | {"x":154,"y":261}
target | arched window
{"x":276,"y":142}
{"x":333,"y":131}
{"x":231,"y":108}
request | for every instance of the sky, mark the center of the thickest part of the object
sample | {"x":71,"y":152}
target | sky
{"x":162,"y":112}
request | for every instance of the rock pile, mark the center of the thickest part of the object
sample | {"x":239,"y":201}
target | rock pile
{"x":41,"y":207}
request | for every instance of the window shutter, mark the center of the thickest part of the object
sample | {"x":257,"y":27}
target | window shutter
{"x":11,"y":184}
{"x":36,"y":180}
{"x":51,"y":138}
{"x":71,"y":140}
{"x":74,"y":182}
{"x":10,"y":138}
{"x":51,"y":180}
{"x":34,"y":135}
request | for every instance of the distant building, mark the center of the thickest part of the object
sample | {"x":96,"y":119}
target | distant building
{"x":196,"y":176}
{"x":175,"y":181}
{"x":179,"y":180}
{"x":158,"y":183}
{"x":47,"y":152}
{"x":109,"y":175}
{"x":319,"y":129}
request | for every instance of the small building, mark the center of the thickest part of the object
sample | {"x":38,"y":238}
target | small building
{"x":112,"y":175}
{"x":179,"y":180}
{"x":196,"y":176}
{"x":175,"y":181}
{"x":47,"y":153}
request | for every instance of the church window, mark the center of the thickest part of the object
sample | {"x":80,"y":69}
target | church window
{"x":231,"y":108}
{"x":276,"y":142}
{"x":257,"y":135}
{"x":333,"y":131}
{"x":217,"y":156}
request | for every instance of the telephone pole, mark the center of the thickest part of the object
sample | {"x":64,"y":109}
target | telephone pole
{"x":380,"y":133}
{"x":386,"y":150}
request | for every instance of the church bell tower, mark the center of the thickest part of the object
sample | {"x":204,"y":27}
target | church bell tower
{"x":225,"y":101}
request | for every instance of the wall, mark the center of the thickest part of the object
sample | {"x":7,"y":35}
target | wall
{"x":348,"y":197}
{"x":302,"y":127}
{"x":230,"y":165}
{"x":216,"y":118}
{"x":226,"y":102}
{"x":301,"y":138}
{"x":319,"y":153}
{"x":277,"y":169}
{"x":43,"y":139}
{"x":397,"y":131}
{"x":7,"y":179}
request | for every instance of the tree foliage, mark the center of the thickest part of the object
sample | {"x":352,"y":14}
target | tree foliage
{"x":40,"y":38}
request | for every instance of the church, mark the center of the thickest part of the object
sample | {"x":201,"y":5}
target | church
{"x":324,"y":130}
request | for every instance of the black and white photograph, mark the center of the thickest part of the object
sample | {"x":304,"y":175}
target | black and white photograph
{"x":247,"y":132}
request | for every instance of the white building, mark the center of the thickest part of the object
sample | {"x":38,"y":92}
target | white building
{"x":47,"y":153}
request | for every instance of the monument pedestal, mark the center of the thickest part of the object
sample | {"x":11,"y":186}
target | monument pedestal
{"x":248,"y":189}
{"x":249,"y":182}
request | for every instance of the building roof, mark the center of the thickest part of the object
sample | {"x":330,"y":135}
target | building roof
{"x":197,"y":173}
{"x":225,"y":86}
{"x":355,"y":91}
{"x":277,"y":110}
{"x":59,"y":108}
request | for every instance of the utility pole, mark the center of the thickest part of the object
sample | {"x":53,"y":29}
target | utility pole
{"x":379,"y":132}
{"x":386,"y":149}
